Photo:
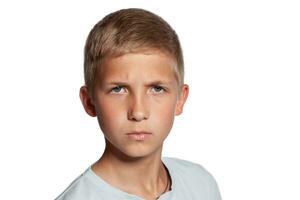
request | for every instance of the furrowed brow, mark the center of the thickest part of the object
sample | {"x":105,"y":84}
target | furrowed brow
{"x":156,"y":82}
{"x":159,"y":82}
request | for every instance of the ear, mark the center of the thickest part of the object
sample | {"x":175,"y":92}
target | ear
{"x":182,"y":99}
{"x":87,"y":101}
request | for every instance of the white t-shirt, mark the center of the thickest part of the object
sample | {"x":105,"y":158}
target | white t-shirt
{"x":190,"y":181}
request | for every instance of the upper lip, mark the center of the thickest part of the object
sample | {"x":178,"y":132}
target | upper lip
{"x":138,"y":132}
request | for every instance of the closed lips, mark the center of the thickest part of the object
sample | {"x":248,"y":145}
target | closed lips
{"x":138,"y":133}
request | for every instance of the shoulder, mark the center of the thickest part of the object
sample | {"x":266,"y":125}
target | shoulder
{"x":186,"y":167}
{"x":81,"y":188}
{"x":193,"y":176}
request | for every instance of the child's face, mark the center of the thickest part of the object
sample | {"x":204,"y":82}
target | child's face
{"x":136,"y":93}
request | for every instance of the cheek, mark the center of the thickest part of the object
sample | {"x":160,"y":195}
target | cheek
{"x":110,"y":115}
{"x":163,"y":114}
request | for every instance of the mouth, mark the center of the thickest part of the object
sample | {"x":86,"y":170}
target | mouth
{"x":140,"y":136}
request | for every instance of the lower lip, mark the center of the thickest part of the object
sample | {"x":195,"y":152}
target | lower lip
{"x":139,"y":137}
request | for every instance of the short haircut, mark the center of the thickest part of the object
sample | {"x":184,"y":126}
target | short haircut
{"x":128,"y":31}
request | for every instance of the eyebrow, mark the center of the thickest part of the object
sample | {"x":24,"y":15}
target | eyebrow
{"x":157,"y":82}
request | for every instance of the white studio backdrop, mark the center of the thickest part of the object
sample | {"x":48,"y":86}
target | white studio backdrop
{"x":241,"y":120}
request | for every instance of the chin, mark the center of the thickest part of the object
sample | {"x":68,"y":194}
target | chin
{"x":134,"y":151}
{"x":137,"y":152}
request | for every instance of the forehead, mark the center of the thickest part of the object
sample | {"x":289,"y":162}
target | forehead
{"x":143,"y":66}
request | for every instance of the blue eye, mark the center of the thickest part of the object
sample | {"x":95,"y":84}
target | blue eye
{"x":158,"y":89}
{"x":117,"y":89}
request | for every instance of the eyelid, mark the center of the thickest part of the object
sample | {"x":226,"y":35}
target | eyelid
{"x":159,"y":86}
{"x":118,"y":86}
{"x":124,"y":86}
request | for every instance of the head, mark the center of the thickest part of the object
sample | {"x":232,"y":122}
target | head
{"x":134,"y":80}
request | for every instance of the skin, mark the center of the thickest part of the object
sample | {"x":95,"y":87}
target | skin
{"x":127,"y":98}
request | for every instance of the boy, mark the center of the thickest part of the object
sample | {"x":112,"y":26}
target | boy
{"x":134,"y":84}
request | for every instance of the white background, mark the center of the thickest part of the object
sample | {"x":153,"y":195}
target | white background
{"x":241,"y":121}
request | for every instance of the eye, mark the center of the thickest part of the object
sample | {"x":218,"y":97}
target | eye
{"x":117,"y":89}
{"x":158,"y":89}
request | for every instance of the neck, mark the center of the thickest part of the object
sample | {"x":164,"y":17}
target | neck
{"x":142,"y":176}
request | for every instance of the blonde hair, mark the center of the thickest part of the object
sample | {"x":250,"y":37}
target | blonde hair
{"x":126,"y":31}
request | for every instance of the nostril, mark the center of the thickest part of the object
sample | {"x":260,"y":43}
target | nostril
{"x":137,"y":110}
{"x":137,"y":116}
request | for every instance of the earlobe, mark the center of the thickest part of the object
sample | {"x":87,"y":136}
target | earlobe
{"x":86,"y":101}
{"x":182,"y":99}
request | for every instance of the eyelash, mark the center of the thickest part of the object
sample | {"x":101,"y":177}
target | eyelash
{"x":120,"y":87}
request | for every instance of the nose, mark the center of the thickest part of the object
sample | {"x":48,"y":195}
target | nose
{"x":138,"y":109}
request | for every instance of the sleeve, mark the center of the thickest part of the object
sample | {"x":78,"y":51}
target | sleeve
{"x":212,"y":186}
{"x":214,"y":189}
